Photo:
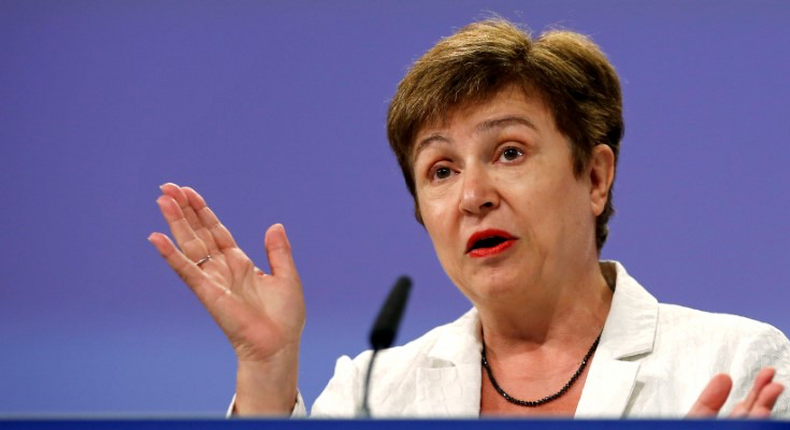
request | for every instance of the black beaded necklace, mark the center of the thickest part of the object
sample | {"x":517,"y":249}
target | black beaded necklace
{"x":547,"y":399}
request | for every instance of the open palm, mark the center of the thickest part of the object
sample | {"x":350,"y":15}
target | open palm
{"x":261,"y":314}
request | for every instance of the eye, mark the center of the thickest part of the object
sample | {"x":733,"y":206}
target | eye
{"x":510,"y":154}
{"x":441,"y":172}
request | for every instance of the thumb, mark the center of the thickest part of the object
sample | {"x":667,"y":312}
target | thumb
{"x":278,"y":251}
{"x":712,"y":397}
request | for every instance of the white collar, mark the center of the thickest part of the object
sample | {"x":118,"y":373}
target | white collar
{"x":450,"y":385}
{"x":630,"y":328}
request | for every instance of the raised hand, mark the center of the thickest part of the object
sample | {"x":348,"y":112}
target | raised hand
{"x":757,"y":404}
{"x":261,"y":314}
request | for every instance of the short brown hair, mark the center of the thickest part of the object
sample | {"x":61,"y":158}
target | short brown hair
{"x":565,"y":69}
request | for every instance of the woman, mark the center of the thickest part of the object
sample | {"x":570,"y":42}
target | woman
{"x":509,"y":148}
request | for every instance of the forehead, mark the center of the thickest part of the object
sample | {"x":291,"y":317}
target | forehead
{"x":510,"y":105}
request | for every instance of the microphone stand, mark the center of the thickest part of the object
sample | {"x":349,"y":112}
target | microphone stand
{"x":383,"y":333}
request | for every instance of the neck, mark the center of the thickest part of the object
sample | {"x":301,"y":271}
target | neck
{"x":554,"y":314}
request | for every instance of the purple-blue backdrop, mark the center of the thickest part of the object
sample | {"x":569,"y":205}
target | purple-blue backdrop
{"x":275,"y":112}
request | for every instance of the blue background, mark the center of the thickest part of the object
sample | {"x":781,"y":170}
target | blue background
{"x":275,"y":112}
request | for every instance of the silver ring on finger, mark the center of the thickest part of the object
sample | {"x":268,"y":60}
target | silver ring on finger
{"x":203,"y":260}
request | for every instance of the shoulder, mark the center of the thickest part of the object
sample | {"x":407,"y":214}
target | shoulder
{"x":734,"y":343}
{"x":688,"y":323}
{"x":679,"y":349}
{"x":446,"y":343}
{"x":691,"y":346}
{"x":641,"y":316}
{"x":698,"y":345}
{"x":395,"y":369}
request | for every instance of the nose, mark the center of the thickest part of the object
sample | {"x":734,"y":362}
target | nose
{"x":479,"y":194}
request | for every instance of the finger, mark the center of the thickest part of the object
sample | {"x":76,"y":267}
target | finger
{"x":174,"y":191}
{"x":766,"y":400}
{"x":180,"y":196}
{"x":278,"y":251}
{"x":188,"y":271}
{"x":712,"y":397}
{"x":222,"y":237}
{"x":187,"y":240}
{"x":763,"y":378}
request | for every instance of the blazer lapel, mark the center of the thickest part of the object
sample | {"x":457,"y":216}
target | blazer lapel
{"x":450,"y":386}
{"x":629,"y":332}
{"x":608,"y":389}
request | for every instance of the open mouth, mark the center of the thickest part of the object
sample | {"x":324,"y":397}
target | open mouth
{"x":488,"y":242}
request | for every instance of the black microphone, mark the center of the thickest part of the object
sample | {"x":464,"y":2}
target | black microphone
{"x":384,"y":330}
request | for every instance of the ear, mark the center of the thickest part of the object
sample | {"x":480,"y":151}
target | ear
{"x":601,"y":177}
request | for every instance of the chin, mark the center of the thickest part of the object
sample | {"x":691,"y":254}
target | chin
{"x":495,"y":288}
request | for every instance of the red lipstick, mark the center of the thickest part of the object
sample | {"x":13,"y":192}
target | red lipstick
{"x":489,"y":242}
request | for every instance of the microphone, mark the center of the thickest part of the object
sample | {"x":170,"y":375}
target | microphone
{"x":384,"y":330}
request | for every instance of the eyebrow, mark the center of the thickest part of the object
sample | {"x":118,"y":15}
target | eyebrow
{"x":504,"y":122}
{"x":483,"y":127}
{"x":422,"y":144}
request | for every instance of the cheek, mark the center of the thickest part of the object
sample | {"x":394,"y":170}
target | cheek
{"x":571,"y":218}
{"x":435,"y":207}
{"x":437,"y":217}
{"x":543,"y":205}
{"x":433,"y":218}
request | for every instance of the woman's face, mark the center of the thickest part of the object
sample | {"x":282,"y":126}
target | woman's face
{"x":497,"y":193}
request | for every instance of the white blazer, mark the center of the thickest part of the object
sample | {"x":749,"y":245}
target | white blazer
{"x":653,"y":360}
